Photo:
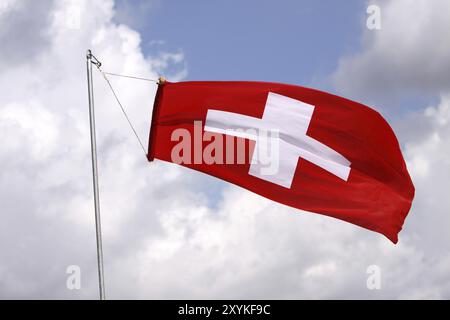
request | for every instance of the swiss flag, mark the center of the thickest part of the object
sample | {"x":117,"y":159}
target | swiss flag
{"x":301,"y":147}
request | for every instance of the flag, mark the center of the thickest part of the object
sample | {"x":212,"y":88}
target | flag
{"x":301,"y":147}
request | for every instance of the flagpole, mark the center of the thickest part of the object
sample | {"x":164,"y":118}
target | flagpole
{"x":91,"y":59}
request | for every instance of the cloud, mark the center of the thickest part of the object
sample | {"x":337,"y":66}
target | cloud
{"x":163,"y":236}
{"x":135,"y":13}
{"x":47,"y":217}
{"x":409,"y":53}
{"x":429,"y":161}
{"x":24,"y":18}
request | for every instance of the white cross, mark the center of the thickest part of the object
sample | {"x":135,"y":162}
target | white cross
{"x":291,"y":119}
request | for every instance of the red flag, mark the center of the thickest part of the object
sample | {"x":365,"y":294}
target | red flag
{"x":301,"y":147}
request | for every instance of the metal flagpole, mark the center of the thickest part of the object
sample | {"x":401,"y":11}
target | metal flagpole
{"x":91,"y":59}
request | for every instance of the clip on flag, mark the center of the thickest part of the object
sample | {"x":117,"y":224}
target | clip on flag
{"x":297,"y":146}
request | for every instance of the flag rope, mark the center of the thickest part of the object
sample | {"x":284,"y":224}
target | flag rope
{"x":128,"y":76}
{"x":120,"y":104}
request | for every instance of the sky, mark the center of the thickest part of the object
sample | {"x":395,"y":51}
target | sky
{"x":170,"y":232}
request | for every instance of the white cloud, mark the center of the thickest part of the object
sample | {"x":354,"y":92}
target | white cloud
{"x":429,"y":161}
{"x":47,"y":219}
{"x":410,"y":52}
{"x":162,"y":237}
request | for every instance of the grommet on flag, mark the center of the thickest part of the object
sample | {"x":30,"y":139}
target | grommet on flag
{"x":161,"y":80}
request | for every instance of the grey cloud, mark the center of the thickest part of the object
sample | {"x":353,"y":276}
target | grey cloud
{"x":24,"y":31}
